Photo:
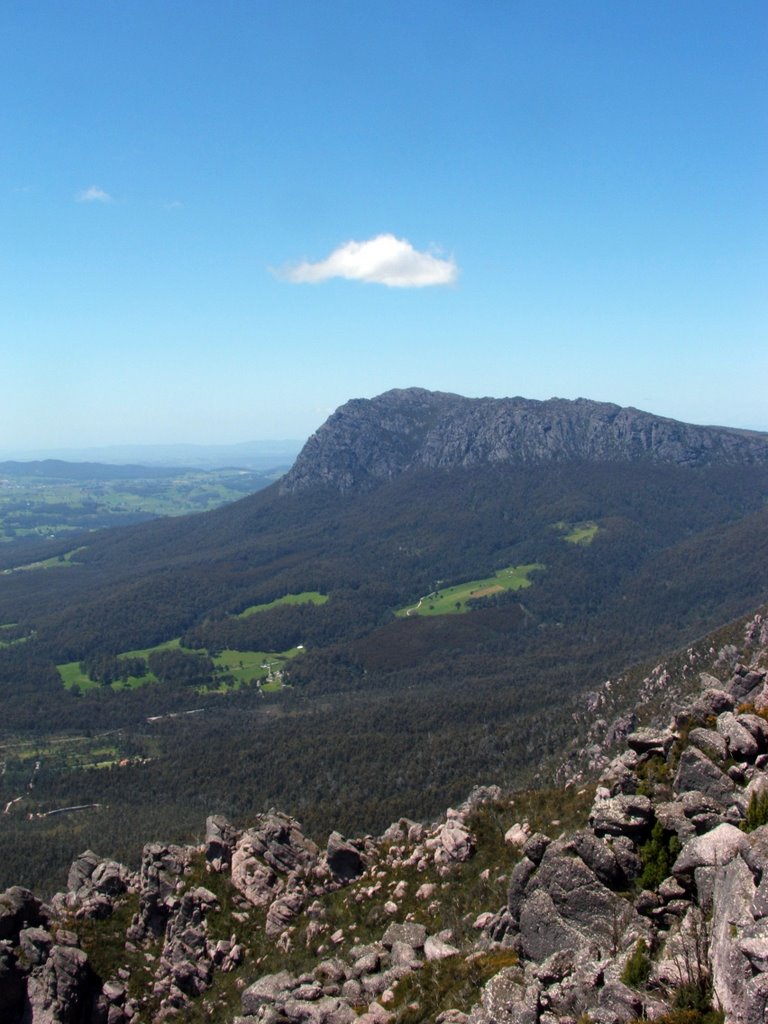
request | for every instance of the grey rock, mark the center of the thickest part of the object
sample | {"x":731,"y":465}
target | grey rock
{"x":622,"y":815}
{"x":620,"y":1000}
{"x":266,"y":990}
{"x":535,"y":846}
{"x":60,"y":989}
{"x":414,"y":935}
{"x":710,"y":742}
{"x":697,"y":772}
{"x":344,"y":859}
{"x":404,"y":955}
{"x":35,"y":944}
{"x":19,"y":908}
{"x":741,"y":743}
{"x":506,"y":998}
{"x":521,"y":875}
{"x":598,"y":856}
{"x":757,"y":727}
{"x":714,"y":849}
{"x":712,"y":702}
{"x":282,"y":912}
{"x":220,"y":839}
{"x":646,"y":741}
{"x":673,"y":818}
{"x":436,"y":949}
{"x":368,"y":441}
{"x":732,"y":970}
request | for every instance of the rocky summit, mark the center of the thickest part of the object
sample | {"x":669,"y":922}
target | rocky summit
{"x":641,"y":893}
{"x":368,"y":441}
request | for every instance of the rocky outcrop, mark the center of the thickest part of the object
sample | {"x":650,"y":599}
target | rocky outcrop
{"x":368,"y":441}
{"x":661,"y":897}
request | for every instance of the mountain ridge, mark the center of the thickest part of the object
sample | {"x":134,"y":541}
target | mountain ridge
{"x":368,"y":441}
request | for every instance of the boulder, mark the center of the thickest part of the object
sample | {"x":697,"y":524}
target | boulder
{"x":623,"y":815}
{"x":712,"y":702}
{"x":436,"y":949}
{"x":266,"y":990}
{"x":507,"y":999}
{"x":220,"y":839}
{"x":742,"y":745}
{"x":710,"y":742}
{"x":650,"y":741}
{"x":59,"y":991}
{"x":344,"y":858}
{"x":19,"y":908}
{"x":697,"y":772}
{"x":414,"y":935}
{"x":713,"y":849}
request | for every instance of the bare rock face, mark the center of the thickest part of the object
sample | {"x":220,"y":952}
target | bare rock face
{"x":220,"y":839}
{"x":268,"y":852}
{"x":366,"y":442}
{"x":58,"y":992}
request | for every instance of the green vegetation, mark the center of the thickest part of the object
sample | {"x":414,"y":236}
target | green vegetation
{"x":638,"y":967}
{"x":578,"y":533}
{"x":757,"y":812}
{"x":450,"y":984}
{"x":657,"y":856}
{"x":457,"y":599}
{"x":75,"y":497}
{"x":172,"y":662}
{"x":306,"y":597}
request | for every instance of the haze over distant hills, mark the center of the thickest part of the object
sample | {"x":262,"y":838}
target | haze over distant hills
{"x":247,"y":454}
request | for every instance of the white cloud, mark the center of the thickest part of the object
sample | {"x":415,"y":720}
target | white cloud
{"x":381,"y":260}
{"x":94,"y":194}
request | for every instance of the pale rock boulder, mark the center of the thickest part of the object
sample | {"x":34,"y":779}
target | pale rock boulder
{"x":742,"y":745}
{"x":713,"y":849}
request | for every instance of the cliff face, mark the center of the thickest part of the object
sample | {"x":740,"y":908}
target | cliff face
{"x":366,"y":442}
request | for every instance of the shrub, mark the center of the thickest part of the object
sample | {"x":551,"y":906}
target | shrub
{"x":657,"y":857}
{"x":757,"y":812}
{"x":638,"y":967}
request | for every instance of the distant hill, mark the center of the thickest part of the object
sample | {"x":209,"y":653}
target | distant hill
{"x":259,"y":455}
{"x":369,"y":441}
{"x":57,"y":469}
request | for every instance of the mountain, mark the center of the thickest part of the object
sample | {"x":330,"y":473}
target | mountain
{"x":366,"y":442}
{"x":638,"y":894}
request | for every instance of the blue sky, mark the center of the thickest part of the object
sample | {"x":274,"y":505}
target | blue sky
{"x":220,"y":221}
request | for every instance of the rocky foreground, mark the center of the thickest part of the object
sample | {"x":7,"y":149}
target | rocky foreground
{"x":656,"y":907}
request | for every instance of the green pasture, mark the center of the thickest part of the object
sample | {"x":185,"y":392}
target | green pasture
{"x":249,"y":666}
{"x":305,"y":597}
{"x":578,"y":533}
{"x":48,"y":563}
{"x":242,"y":666}
{"x":455,"y":600}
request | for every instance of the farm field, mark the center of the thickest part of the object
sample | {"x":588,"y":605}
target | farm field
{"x":306,"y":597}
{"x":231,"y":669}
{"x":578,"y":533}
{"x":35,"y":507}
{"x":457,"y":599}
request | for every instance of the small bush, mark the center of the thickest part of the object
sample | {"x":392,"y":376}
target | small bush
{"x":638,"y":967}
{"x":757,"y":812}
{"x":657,"y":856}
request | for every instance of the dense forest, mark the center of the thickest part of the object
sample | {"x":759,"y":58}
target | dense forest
{"x":404,"y":714}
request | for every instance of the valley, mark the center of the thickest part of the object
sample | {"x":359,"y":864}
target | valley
{"x":259,"y":654}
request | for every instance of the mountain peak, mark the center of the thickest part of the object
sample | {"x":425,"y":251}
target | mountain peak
{"x":368,"y":441}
